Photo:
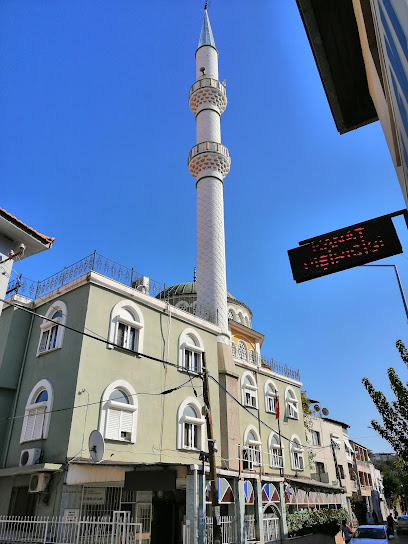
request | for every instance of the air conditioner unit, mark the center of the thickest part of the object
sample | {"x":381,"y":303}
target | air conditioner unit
{"x":38,"y":482}
{"x":30,"y":457}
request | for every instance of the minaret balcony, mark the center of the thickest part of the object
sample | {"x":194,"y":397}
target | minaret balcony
{"x":207,"y":157}
{"x":207,"y":91}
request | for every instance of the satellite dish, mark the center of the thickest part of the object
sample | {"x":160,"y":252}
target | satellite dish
{"x":316,"y":408}
{"x":325,"y":411}
{"x":96,"y":446}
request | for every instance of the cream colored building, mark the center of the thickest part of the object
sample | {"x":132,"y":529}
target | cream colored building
{"x":360,"y":48}
{"x":332,"y":456}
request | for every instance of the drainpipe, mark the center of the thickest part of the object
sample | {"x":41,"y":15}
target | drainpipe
{"x":20,"y":379}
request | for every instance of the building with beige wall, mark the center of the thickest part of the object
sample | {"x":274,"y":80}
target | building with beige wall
{"x":360,"y":48}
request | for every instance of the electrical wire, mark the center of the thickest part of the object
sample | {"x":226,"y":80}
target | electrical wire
{"x":156,"y":359}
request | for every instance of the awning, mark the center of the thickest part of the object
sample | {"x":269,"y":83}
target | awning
{"x":309,"y":484}
{"x":15,"y":471}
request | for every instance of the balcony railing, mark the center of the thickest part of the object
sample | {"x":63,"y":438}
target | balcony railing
{"x":279,"y":368}
{"x":250,"y":527}
{"x":275,"y":460}
{"x":108,"y":268}
{"x":250,"y":456}
{"x":207,"y":147}
{"x":320,"y":477}
{"x":207,"y":82}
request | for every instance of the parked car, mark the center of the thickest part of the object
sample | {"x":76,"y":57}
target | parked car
{"x":367,"y":534}
{"x":402,"y":524}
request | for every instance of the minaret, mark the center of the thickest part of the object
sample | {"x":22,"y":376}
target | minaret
{"x":209,"y":163}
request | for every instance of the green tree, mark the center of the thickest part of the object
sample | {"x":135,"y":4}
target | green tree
{"x":395,"y":414}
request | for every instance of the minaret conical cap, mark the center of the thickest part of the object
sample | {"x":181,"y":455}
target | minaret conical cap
{"x":206,"y":35}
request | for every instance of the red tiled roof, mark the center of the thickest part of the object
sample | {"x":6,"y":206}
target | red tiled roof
{"x":29,"y":230}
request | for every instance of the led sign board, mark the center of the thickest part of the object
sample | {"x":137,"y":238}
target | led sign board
{"x":345,"y":248}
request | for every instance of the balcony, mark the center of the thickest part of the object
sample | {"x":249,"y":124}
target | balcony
{"x":110,"y":269}
{"x":275,"y":460}
{"x":207,"y":147}
{"x":322,"y":477}
{"x":250,"y":456}
{"x":207,"y":82}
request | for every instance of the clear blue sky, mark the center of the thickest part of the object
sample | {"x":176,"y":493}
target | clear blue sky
{"x":95,"y":135}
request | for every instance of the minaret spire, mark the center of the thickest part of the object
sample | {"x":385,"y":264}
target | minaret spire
{"x":209,"y":163}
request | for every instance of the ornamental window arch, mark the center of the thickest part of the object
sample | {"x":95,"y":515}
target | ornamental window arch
{"x":291,"y":403}
{"x":118,"y":412}
{"x":297,"y":459}
{"x":126,"y":326}
{"x":190,"y":351}
{"x":275,"y":450}
{"x":37,"y":414}
{"x":271,"y":397}
{"x":52,"y":332}
{"x":249,"y":390}
{"x":251,"y":452}
{"x":242,"y":350}
{"x":190,"y":425}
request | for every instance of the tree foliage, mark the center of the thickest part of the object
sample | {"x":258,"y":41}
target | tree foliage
{"x":324,"y":521}
{"x":395,"y":413}
{"x":395,"y":480}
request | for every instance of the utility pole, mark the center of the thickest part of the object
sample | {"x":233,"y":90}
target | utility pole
{"x":215,"y":508}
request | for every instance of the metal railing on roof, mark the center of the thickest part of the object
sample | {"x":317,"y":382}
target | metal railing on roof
{"x":280,"y":368}
{"x":108,"y":268}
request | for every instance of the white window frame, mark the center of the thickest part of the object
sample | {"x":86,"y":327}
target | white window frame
{"x":249,"y":392}
{"x":336,"y":441}
{"x":317,"y":442}
{"x":107,"y":405}
{"x":137,"y":324}
{"x":197,"y":349}
{"x":251,"y":452}
{"x":270,"y":399}
{"x":275,"y":452}
{"x":197,"y":422}
{"x":291,"y":404}
{"x":297,"y":454}
{"x":243,"y":343}
{"x":48,"y":327}
{"x":40,"y":410}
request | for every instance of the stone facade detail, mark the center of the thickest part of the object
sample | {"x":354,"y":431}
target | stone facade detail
{"x":206,"y":97}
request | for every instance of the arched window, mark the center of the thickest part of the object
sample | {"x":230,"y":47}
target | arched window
{"x":246,"y":321}
{"x":126,"y":326}
{"x":275,"y":451}
{"x":52,"y":332}
{"x":252,"y":358}
{"x":191,"y":349}
{"x":242,"y":351}
{"x":271,"y":397}
{"x":231,"y":314}
{"x":292,"y":404}
{"x":296,"y":454}
{"x":240,"y":317}
{"x":191,"y":428}
{"x":249,"y":390}
{"x":36,"y":420}
{"x":118,"y":416}
{"x":251,"y":451}
{"x":234,"y":349}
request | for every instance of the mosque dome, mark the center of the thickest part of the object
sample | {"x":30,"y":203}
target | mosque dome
{"x":187,"y":293}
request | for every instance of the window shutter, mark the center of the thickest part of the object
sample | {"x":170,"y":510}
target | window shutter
{"x":127,"y":421}
{"x":38,"y":423}
{"x":35,"y":422}
{"x":44,"y":338}
{"x":29,"y":426}
{"x":113,"y":424}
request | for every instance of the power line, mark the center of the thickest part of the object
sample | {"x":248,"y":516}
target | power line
{"x":150,"y":357}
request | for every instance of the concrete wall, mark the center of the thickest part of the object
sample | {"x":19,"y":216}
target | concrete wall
{"x":60,"y":368}
{"x":157,"y":414}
